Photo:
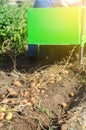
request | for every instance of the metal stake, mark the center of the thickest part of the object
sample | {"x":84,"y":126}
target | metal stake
{"x":83,"y":33}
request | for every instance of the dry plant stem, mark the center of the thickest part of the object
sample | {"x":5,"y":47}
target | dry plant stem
{"x":33,"y":75}
{"x":9,"y":110}
{"x":40,"y":125}
{"x":10,"y":125}
{"x":7,"y":42}
{"x":35,"y":118}
{"x":13,"y":61}
{"x":40,"y":118}
{"x":20,"y":107}
{"x":43,"y":67}
{"x":83,"y":69}
{"x":7,"y":48}
{"x":67,"y":62}
{"x":14,"y":110}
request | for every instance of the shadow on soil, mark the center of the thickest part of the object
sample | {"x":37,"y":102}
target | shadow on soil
{"x":24,"y":65}
{"x":80,"y":97}
{"x":49,"y":56}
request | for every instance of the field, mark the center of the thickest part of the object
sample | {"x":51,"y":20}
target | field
{"x":43,"y":95}
{"x":47,"y":93}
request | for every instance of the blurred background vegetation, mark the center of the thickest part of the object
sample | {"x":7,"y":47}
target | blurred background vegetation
{"x":13,"y":26}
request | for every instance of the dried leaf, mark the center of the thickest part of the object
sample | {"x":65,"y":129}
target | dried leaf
{"x":25,"y":93}
{"x":5,"y":100}
{"x":21,"y":94}
{"x":11,"y":91}
{"x":33,"y":85}
{"x":3,"y":96}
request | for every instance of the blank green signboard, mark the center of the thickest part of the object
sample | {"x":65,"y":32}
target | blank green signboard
{"x":54,"y":26}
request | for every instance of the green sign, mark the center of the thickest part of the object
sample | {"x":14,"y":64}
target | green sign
{"x":54,"y":26}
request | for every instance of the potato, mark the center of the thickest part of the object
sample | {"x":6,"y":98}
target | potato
{"x":2,"y":115}
{"x":71,"y":94}
{"x":9,"y":116}
{"x":17,"y":84}
{"x":64,"y":104}
{"x":29,"y":104}
{"x":32,"y":100}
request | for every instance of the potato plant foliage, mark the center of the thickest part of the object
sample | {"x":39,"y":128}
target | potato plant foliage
{"x":13,"y":28}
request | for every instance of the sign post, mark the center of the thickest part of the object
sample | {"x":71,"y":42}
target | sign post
{"x":82,"y":33}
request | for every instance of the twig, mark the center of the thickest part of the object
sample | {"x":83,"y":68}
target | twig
{"x":67,"y":62}
{"x":43,"y":67}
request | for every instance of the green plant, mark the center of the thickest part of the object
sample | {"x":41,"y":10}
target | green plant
{"x":2,"y":2}
{"x":13,"y":30}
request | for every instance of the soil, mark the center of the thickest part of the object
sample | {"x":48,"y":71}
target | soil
{"x":43,"y":95}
